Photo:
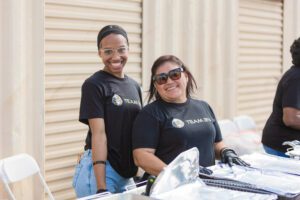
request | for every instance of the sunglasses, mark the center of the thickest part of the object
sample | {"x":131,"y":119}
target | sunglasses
{"x":162,"y":78}
{"x":110,"y":52}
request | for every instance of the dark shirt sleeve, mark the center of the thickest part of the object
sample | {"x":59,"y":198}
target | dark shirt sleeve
{"x":145,"y":132}
{"x":92,"y":102}
{"x":216,"y":125}
{"x":291,"y":94}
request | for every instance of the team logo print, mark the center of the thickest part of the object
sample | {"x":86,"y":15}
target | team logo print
{"x":117,"y":100}
{"x":177,"y":123}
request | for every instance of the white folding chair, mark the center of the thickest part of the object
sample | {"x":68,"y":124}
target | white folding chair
{"x":16,"y":168}
{"x":245,"y":123}
{"x":249,"y":134}
{"x":227,"y":127}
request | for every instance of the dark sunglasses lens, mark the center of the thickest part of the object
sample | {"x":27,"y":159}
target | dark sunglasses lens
{"x":161,"y":79}
{"x":175,"y":75}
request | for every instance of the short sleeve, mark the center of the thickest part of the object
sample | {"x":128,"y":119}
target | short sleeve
{"x":291,"y":94}
{"x":216,"y":125}
{"x":92,"y":102}
{"x":145,"y":133}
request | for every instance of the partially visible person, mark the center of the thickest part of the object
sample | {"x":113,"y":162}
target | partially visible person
{"x":174,"y":122}
{"x":284,"y":121}
{"x":110,"y":102}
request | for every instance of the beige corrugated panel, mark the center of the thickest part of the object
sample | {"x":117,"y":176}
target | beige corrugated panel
{"x":260,"y":57}
{"x":203,"y":35}
{"x":71,"y":28}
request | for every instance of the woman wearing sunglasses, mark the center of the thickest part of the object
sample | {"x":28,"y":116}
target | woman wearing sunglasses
{"x":110,"y":102}
{"x":175,"y":122}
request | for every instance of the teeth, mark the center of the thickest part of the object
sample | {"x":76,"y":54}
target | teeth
{"x":115,"y":64}
{"x":171,"y":88}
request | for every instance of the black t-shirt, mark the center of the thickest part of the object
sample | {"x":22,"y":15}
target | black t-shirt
{"x":287,"y":95}
{"x":117,"y":101}
{"x":173,"y":128}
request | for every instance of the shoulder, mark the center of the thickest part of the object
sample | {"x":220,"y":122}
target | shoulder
{"x":296,"y":73}
{"x":151,"y":106}
{"x":132,"y":81}
{"x":199,"y":102}
{"x":201,"y":105}
{"x":154,"y":109}
{"x":291,"y":75}
{"x":96,"y":80}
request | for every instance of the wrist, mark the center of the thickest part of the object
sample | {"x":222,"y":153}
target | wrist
{"x":101,"y":190}
{"x":227,"y":153}
{"x":97,"y":162}
{"x":222,"y":151}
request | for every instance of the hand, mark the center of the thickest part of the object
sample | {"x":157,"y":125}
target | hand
{"x":204,"y":170}
{"x":230,"y":157}
{"x":101,"y":191}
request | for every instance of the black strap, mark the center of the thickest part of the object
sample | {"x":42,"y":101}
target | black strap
{"x":102,"y":191}
{"x":99,"y":162}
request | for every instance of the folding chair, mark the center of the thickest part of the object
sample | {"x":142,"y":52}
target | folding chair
{"x":249,"y":134}
{"x":227,"y":127}
{"x":245,"y":123}
{"x":16,"y":168}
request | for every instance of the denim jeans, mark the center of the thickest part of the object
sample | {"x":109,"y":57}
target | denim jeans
{"x":84,"y":181}
{"x":274,"y":152}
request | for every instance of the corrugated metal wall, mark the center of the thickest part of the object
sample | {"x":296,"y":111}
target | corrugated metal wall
{"x":71,"y":28}
{"x":260,"y":56}
{"x":207,"y":35}
{"x":203,"y":35}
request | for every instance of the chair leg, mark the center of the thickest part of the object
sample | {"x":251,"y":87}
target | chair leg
{"x":7,"y":188}
{"x":46,"y":186}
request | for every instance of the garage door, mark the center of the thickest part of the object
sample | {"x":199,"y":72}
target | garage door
{"x":71,"y":28}
{"x":260,"y":56}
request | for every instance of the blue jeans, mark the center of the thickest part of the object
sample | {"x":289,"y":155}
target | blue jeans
{"x":84,"y":181}
{"x":274,"y":152}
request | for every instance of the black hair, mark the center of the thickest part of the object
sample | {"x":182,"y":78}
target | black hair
{"x":295,"y":51}
{"x":191,"y":84}
{"x":106,"y":30}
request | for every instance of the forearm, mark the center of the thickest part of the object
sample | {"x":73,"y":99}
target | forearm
{"x":296,"y":124}
{"x":152,"y":165}
{"x":291,"y":117}
{"x":99,"y":150}
{"x":99,"y":153}
{"x":148,"y":162}
{"x":218,"y":147}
